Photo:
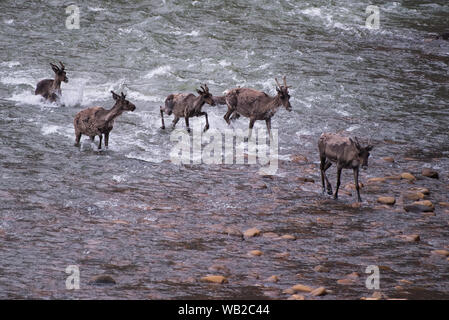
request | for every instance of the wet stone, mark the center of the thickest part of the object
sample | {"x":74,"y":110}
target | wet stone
{"x":214,"y":279}
{"x":408,"y":176}
{"x":444,"y":253}
{"x":273,"y":278}
{"x":103,"y":279}
{"x":430,"y":173}
{"x":345,"y":281}
{"x":426,"y":203}
{"x":301,"y":288}
{"x":288,"y":237}
{"x":321,"y":291}
{"x":418,"y":208}
{"x":255,"y":253}
{"x":296,"y":297}
{"x":386,"y":200}
{"x":414,"y":196}
{"x":388,"y":159}
{"x":253,"y":232}
{"x":321,"y":268}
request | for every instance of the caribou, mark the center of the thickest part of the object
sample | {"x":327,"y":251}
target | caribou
{"x":187,"y":105}
{"x":347,"y":153}
{"x":96,"y":121}
{"x":51,"y":89}
{"x":256,"y":105}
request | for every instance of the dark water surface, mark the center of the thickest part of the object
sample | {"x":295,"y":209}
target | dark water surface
{"x":156,"y":227}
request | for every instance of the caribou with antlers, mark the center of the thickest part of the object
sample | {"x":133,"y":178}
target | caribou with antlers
{"x":96,"y":121}
{"x":256,"y":105}
{"x":347,"y":153}
{"x":187,"y":105}
{"x":51,"y":89}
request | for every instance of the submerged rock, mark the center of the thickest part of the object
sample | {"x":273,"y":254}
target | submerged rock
{"x":288,"y":237}
{"x":102,"y":279}
{"x":273,"y":278}
{"x":412,"y":237}
{"x":430,"y":173}
{"x":418,"y":208}
{"x":388,"y":159}
{"x":296,"y":297}
{"x":414,"y":195}
{"x":321,"y":268}
{"x":444,"y":253}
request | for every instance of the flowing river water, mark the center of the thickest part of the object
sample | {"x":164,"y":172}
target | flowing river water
{"x":157,"y":227}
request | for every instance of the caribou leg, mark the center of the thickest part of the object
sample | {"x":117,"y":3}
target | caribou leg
{"x":162,"y":118}
{"x":106,"y":139}
{"x":235,"y":116}
{"x":187,"y":124}
{"x":339,"y":168}
{"x":77,"y":139}
{"x":324,"y":165}
{"x":101,"y":138}
{"x":268,"y":122}
{"x":175,"y":121}
{"x":251,"y":125}
{"x":356,"y":181}
{"x":207,"y":121}
{"x":228,"y":114}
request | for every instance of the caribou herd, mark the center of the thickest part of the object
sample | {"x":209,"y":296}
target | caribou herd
{"x":346,"y":152}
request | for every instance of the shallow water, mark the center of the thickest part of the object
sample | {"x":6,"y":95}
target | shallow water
{"x":157,"y":227}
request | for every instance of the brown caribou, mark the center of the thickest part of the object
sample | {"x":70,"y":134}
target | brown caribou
{"x":347,"y":153}
{"x":96,"y":121}
{"x":51,"y":89}
{"x":187,"y":105}
{"x":256,"y":105}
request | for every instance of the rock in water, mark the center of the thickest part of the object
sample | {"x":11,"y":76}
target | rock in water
{"x":408,"y":176}
{"x":444,"y":253}
{"x":214,"y":279}
{"x":102,"y":279}
{"x":414,"y":195}
{"x":426,"y":172}
{"x":321,"y":291}
{"x":302,"y":288}
{"x":255,"y":253}
{"x":387,"y":200}
{"x":418,"y":208}
{"x":253,"y":232}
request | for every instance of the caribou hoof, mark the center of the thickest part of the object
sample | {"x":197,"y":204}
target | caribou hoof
{"x":163,"y":127}
{"x":206,"y":128}
{"x":188,"y":130}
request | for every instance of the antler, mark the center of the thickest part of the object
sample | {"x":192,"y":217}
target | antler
{"x":123,"y":95}
{"x":357,"y":143}
{"x":277,"y":82}
{"x":54,"y":66}
{"x":62,"y":65}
